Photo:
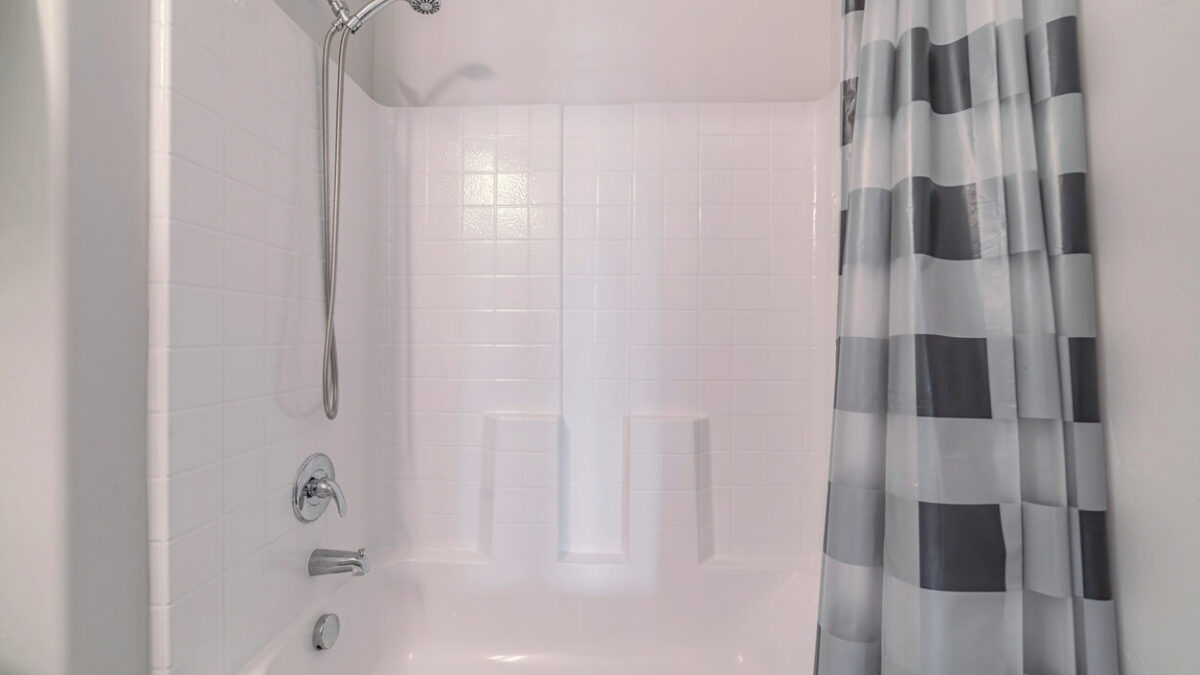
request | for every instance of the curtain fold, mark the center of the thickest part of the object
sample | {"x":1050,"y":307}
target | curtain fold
{"x":965,"y":528}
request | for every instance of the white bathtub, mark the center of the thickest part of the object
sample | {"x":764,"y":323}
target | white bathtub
{"x":525,"y":611}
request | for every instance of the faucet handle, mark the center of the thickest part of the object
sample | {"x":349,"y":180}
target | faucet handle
{"x":314,"y":487}
{"x":326,"y":488}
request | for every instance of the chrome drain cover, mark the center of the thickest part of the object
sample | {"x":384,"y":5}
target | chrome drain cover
{"x":325,"y":633}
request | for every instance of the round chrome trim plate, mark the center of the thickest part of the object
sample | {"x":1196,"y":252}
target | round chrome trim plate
{"x":306,"y":508}
{"x":325,"y":633}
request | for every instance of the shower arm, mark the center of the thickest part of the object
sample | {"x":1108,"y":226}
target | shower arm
{"x":356,"y":20}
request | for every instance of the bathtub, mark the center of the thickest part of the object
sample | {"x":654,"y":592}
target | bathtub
{"x":527,"y":611}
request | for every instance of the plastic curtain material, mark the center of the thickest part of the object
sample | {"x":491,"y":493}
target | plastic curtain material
{"x":965,"y":529}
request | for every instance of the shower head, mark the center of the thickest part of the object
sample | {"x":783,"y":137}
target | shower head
{"x":356,"y":21}
{"x":425,"y":6}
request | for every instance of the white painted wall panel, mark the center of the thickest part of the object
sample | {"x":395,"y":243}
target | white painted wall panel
{"x":1139,"y":61}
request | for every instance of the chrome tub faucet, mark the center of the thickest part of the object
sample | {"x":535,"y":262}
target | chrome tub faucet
{"x":327,"y":561}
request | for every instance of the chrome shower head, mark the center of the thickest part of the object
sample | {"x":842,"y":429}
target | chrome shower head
{"x":425,"y":6}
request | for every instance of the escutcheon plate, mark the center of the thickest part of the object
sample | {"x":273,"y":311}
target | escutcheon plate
{"x":308,"y":509}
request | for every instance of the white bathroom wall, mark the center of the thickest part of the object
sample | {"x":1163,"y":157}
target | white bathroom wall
{"x":475,"y":321}
{"x":1139,"y":60}
{"x":690,"y":235}
{"x":690,"y":281}
{"x":236,"y":322}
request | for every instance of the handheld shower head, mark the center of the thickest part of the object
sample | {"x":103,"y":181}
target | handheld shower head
{"x":425,"y":6}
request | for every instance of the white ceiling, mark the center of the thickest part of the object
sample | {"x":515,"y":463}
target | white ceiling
{"x":600,"y":51}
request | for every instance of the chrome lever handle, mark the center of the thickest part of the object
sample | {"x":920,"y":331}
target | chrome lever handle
{"x":327,"y":488}
{"x":314,"y":488}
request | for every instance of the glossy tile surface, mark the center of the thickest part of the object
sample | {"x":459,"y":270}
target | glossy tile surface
{"x":236,"y":319}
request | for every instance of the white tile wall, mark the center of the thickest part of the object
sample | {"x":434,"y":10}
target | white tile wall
{"x":690,"y":236}
{"x":598,"y":199}
{"x":690,"y":275}
{"x":475,"y":329}
{"x":524,"y":451}
{"x":236,"y":323}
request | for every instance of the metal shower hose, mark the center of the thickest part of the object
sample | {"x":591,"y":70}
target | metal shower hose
{"x":331,"y":193}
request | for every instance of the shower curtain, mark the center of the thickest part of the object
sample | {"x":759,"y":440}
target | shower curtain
{"x":965,"y":529}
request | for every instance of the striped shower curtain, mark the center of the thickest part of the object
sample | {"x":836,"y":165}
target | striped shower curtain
{"x":965,"y":529}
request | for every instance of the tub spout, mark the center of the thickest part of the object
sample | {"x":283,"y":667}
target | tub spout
{"x":326,"y":561}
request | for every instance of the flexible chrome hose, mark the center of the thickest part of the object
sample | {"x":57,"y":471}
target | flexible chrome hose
{"x":331,"y":194}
